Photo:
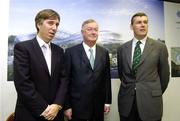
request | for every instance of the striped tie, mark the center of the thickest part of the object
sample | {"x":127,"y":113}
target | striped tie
{"x":136,"y":57}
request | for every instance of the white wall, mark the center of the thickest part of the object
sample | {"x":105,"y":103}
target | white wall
{"x":7,"y":91}
{"x":171,"y":96}
{"x":5,"y":87}
{"x":172,"y":38}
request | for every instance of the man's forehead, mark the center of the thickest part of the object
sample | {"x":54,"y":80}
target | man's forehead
{"x":52,"y":19}
{"x":92,"y":24}
{"x":141,"y":17}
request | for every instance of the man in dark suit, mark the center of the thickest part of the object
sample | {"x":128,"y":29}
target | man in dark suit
{"x":89,"y":92}
{"x":39,"y":75}
{"x":144,"y":73}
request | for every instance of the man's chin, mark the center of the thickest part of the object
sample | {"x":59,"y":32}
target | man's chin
{"x":143,"y":34}
{"x":94,"y":39}
{"x":51,"y":37}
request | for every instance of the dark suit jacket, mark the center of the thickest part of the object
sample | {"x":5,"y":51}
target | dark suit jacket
{"x":150,"y":82}
{"x":36,"y":88}
{"x":89,"y":89}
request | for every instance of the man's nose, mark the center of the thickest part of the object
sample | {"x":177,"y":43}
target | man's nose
{"x":94,"y":31}
{"x":54,"y":27}
{"x":143,"y":24}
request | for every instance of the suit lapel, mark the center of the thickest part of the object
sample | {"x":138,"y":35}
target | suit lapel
{"x":147,"y":49}
{"x":97,"y":57}
{"x":128,"y":53}
{"x":39,"y":54}
{"x":84,"y":57}
{"x":53,"y":58}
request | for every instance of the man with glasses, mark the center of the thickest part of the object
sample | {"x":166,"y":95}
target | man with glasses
{"x":88,"y":69}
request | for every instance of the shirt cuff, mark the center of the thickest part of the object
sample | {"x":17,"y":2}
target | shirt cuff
{"x":108,"y":105}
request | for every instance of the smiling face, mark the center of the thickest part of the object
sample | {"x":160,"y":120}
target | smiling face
{"x":90,"y":33}
{"x":48,"y":29}
{"x":139,"y":25}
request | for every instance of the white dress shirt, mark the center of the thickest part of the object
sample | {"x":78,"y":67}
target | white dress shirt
{"x":46,"y":49}
{"x":143,"y":42}
{"x":86,"y":48}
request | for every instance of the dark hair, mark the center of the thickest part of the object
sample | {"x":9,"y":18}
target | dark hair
{"x":137,"y":14}
{"x":45,"y":14}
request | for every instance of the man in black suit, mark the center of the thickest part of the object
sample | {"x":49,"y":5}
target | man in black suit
{"x":89,"y":92}
{"x":144,"y":73}
{"x":39,"y":74}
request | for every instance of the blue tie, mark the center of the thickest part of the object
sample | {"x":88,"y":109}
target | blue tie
{"x":91,"y":58}
{"x":136,"y":57}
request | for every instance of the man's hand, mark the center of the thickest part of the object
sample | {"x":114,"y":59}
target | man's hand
{"x":106,"y":109}
{"x":51,"y":111}
{"x":68,"y":113}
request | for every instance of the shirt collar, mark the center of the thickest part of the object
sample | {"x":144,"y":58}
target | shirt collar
{"x":41,"y":42}
{"x":86,"y":47}
{"x":143,"y":41}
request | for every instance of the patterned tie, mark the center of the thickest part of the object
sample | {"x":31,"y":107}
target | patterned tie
{"x":91,"y":58}
{"x":136,"y":57}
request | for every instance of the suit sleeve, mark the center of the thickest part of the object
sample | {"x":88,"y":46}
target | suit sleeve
{"x":62,"y":90}
{"x":164,"y":68}
{"x":107,"y":78}
{"x":119,"y":62}
{"x":68,"y":74}
{"x":26,"y":91}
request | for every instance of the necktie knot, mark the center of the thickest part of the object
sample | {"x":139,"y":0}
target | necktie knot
{"x":91,"y":50}
{"x":44,"y":48}
{"x":47,"y":46}
{"x":138,"y":43}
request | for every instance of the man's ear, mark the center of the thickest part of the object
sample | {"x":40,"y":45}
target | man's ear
{"x":81,"y":31}
{"x":131,"y":27}
{"x":38,"y":25}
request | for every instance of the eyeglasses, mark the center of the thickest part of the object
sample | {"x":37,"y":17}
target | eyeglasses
{"x":91,"y":29}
